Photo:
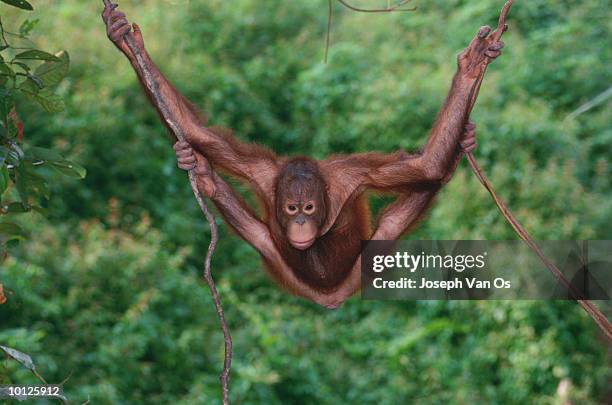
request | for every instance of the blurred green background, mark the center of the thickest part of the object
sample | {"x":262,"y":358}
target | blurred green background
{"x":107,"y":290}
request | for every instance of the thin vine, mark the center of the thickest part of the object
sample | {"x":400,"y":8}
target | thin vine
{"x":389,"y":9}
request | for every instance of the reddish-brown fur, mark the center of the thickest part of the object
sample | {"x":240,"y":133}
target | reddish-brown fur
{"x":327,"y":271}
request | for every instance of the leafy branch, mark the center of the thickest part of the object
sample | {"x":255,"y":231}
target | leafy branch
{"x":31,"y":75}
{"x":27,"y":362}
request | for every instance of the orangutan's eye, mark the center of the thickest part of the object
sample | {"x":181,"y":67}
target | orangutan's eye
{"x":291,"y":209}
{"x":309,"y":208}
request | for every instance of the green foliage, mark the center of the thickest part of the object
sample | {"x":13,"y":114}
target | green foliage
{"x":128,"y":325}
{"x":24,"y":177}
{"x":116,"y":300}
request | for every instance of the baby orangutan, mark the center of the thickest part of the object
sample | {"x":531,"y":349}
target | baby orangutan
{"x":315,"y":213}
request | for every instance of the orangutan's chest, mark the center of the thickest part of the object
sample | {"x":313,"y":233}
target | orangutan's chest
{"x":327,"y":263}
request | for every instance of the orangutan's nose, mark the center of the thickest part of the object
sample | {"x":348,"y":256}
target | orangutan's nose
{"x":300,"y":220}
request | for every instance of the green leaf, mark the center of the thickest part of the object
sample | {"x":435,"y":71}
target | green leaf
{"x":52,"y":72}
{"x":22,"y":358}
{"x":35,"y":54}
{"x":29,"y":87}
{"x":70,"y":169}
{"x":22,"y":65}
{"x":6,"y":102}
{"x":4,"y":151}
{"x":51,"y":102}
{"x":21,"y":183}
{"x":6,"y":70}
{"x":22,"y":4}
{"x":4,"y":179}
{"x":17,"y":208}
{"x":39,"y":83}
{"x":38,"y":185}
{"x":10,"y":231}
{"x":44,"y":154}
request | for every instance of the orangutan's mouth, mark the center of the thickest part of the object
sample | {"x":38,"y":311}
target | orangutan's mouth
{"x":302,"y":245}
